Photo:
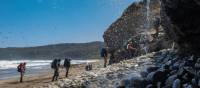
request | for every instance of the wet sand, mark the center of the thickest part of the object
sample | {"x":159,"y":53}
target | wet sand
{"x":41,"y":79}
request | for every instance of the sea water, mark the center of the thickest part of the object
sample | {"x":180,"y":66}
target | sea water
{"x":8,"y":68}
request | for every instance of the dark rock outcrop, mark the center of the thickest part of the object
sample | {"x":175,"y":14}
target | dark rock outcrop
{"x":180,"y":19}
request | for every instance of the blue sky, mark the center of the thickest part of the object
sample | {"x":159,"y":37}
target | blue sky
{"x":26,"y":23}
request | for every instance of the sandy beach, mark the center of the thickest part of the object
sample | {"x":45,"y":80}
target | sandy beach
{"x":37,"y":80}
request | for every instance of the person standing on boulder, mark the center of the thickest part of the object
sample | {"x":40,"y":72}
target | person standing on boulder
{"x":104,"y":54}
{"x":67,"y":64}
{"x":21,"y":68}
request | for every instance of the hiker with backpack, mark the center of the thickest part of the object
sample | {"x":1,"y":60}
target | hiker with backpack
{"x":21,"y":68}
{"x":55,"y":65}
{"x":104,"y":54}
{"x":131,"y":49}
{"x":67,"y":64}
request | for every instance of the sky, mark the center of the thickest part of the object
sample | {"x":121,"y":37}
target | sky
{"x":25,"y":23}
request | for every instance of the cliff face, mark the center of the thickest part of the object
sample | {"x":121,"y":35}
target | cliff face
{"x":180,"y":19}
{"x":125,"y":27}
{"x":132,"y":25}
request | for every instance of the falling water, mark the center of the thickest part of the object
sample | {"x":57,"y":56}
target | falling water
{"x":146,"y":36}
{"x":147,"y":25}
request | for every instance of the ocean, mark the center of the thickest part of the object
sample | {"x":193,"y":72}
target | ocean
{"x":8,"y":68}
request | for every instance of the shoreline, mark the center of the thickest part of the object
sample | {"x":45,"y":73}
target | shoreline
{"x":34,"y":70}
{"x":42,"y":78}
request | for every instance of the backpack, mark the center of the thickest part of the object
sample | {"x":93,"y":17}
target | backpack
{"x":53,"y":64}
{"x":67,"y":62}
{"x":103,"y":52}
{"x":19,"y":67}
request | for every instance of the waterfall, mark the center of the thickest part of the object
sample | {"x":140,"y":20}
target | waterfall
{"x":147,"y":25}
{"x":146,"y":36}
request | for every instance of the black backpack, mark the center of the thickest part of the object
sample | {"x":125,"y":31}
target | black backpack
{"x":54,"y":63}
{"x":67,"y":62}
{"x":18,"y":68}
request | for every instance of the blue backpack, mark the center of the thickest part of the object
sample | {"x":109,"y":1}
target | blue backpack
{"x":103,"y":52}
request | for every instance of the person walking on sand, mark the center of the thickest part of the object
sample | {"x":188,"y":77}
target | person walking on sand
{"x":21,"y":68}
{"x":55,"y":65}
{"x":67,"y":64}
{"x":104,"y":54}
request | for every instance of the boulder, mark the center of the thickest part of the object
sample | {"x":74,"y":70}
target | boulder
{"x":176,"y":83}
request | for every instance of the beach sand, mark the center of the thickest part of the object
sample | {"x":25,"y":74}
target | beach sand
{"x":41,"y":78}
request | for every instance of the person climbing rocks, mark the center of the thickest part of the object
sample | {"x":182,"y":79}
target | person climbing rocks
{"x":21,"y":68}
{"x":131,"y":49}
{"x":104,"y":54}
{"x":55,"y":65}
{"x":67,"y":64}
{"x":156,"y":26}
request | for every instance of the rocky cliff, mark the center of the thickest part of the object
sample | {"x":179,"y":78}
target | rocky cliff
{"x":132,"y":22}
{"x":132,"y":25}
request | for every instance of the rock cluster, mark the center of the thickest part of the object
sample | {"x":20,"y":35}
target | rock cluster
{"x":106,"y":77}
{"x":163,"y":69}
{"x":171,"y":71}
{"x":180,"y":19}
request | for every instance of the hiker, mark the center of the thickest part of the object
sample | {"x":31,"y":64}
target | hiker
{"x":131,"y":49}
{"x":21,"y":68}
{"x":55,"y":65}
{"x":67,"y":64}
{"x":104,"y":54}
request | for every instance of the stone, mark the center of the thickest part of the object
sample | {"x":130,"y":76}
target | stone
{"x":144,"y":74}
{"x":199,"y":83}
{"x":170,"y":80}
{"x":151,"y":69}
{"x":158,"y":76}
{"x":137,"y":82}
{"x":176,"y":83}
{"x":124,"y":83}
{"x":150,"y":86}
